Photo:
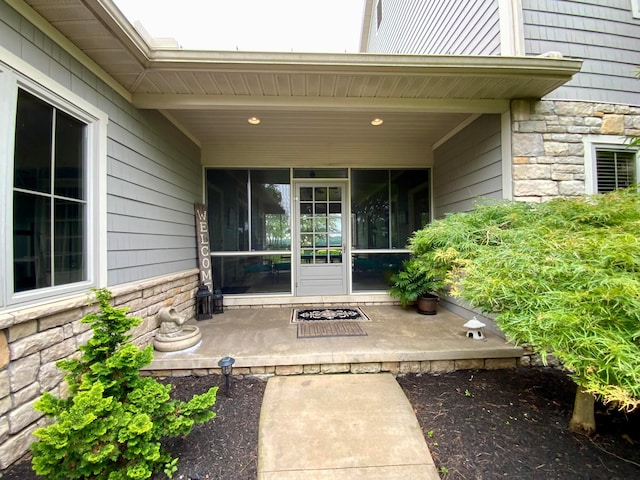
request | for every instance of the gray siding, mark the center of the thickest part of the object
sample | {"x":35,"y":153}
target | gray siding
{"x":468,"y":166}
{"x":436,"y":27}
{"x":601,"y":32}
{"x":153,"y":170}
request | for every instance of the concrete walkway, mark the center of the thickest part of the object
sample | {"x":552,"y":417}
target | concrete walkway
{"x":353,"y":427}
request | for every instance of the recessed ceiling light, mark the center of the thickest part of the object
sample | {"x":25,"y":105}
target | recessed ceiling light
{"x":377,"y":121}
{"x":254,"y":120}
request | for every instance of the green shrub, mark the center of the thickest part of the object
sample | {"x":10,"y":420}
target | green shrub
{"x":561,"y":276}
{"x":110,"y":424}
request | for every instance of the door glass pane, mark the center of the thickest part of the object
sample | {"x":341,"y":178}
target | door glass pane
{"x":321,"y":194}
{"x":336,"y":256}
{"x":335,"y":223}
{"x":320,"y":241}
{"x":320,"y":224}
{"x":335,"y":194}
{"x":321,"y":208}
{"x":335,"y":207}
{"x":306,"y":208}
{"x":306,"y":194}
{"x":321,"y":257}
{"x":306,"y":240}
{"x":32,"y":160}
{"x":306,"y":223}
{"x":317,"y":245}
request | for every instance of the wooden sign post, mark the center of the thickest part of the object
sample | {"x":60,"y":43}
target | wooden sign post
{"x":204,"y":251}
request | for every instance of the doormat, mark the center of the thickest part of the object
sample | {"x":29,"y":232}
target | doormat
{"x":323,"y":314}
{"x":330,"y":329}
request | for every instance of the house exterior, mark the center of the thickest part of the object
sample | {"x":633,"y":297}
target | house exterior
{"x":314,"y":168}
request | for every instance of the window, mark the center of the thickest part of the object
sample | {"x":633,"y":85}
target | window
{"x":610,"y":163}
{"x":615,"y":169}
{"x":387,"y":206}
{"x":250,"y":229}
{"x":53,"y":184}
{"x":49,"y":203}
{"x":635,"y":8}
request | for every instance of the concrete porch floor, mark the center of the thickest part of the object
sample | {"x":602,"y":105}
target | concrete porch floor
{"x":263,"y":341}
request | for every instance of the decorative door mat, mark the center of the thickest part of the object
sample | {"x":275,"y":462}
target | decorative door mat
{"x":330,"y":329}
{"x":325,"y":314}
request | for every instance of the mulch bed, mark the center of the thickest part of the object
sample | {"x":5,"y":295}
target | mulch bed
{"x":479,"y":425}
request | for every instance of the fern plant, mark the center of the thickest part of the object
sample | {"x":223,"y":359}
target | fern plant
{"x":111,"y":424}
{"x":415,"y":279}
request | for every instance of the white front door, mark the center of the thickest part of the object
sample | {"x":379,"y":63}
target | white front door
{"x":320,"y":239}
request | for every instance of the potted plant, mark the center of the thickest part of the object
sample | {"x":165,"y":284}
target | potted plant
{"x":416,"y":282}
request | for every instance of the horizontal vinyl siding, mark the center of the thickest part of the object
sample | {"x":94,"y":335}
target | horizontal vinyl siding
{"x":437,"y":27}
{"x":601,"y":32}
{"x":468,"y":167}
{"x":153,"y":170}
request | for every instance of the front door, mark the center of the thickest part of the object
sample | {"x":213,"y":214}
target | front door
{"x":320,"y":253}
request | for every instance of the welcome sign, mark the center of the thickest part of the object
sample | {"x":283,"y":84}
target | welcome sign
{"x":202,"y":240}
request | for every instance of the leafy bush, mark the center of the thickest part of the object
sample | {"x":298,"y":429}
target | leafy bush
{"x":561,"y":276}
{"x":112,"y":421}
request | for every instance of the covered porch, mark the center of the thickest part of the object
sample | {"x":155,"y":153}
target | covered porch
{"x":263,"y":341}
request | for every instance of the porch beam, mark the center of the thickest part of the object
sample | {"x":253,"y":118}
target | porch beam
{"x":330,"y":104}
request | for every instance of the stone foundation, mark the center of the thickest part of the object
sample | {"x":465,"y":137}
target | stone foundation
{"x":547,"y":143}
{"x":34,"y":339}
{"x":395,"y":368}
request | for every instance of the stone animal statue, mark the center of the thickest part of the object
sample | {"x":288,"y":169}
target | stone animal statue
{"x":170,"y":321}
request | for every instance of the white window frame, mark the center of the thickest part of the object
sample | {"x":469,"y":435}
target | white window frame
{"x":594,"y":143}
{"x":635,"y":8}
{"x":16,"y":74}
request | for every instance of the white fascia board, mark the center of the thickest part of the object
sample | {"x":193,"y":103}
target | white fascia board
{"x":362,"y":63}
{"x":352,"y":104}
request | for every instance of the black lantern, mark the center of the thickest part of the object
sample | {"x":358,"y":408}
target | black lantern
{"x":218,"y":306}
{"x":203,"y":303}
{"x":226,"y":365}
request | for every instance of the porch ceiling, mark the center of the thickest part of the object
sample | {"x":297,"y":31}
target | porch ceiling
{"x":308,"y":96}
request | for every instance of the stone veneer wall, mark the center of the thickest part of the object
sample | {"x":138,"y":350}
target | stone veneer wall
{"x":548,"y":151}
{"x":34,"y":339}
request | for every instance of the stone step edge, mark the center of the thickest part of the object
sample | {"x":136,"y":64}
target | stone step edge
{"x":395,"y":368}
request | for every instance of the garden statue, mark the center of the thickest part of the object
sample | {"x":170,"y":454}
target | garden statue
{"x":173,"y":334}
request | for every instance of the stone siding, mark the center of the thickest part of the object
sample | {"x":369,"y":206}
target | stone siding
{"x":32,"y":341}
{"x":395,"y":368}
{"x":547,"y":143}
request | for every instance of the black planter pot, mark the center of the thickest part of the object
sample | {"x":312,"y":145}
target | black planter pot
{"x":427,"y":304}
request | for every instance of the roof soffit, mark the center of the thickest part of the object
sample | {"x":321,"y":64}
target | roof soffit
{"x":182,"y":82}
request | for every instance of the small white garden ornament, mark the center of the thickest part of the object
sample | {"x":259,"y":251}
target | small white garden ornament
{"x":475,"y":329}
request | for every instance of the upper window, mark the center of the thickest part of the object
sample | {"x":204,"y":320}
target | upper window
{"x":53,"y":185}
{"x":610,"y":163}
{"x":635,"y":8}
{"x":49,"y":205}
